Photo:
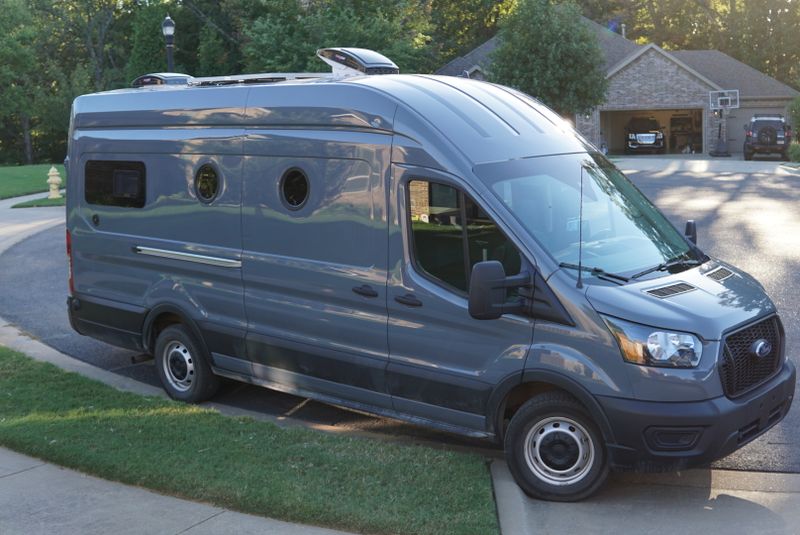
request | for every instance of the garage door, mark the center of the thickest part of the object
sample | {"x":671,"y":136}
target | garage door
{"x":683,"y":128}
{"x":740,"y":117}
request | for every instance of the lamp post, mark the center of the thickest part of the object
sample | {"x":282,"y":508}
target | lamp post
{"x":168,"y":29}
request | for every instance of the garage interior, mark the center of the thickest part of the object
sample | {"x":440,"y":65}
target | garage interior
{"x":683,"y":129}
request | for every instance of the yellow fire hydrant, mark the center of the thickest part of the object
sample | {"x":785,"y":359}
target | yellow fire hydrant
{"x":54,"y":181}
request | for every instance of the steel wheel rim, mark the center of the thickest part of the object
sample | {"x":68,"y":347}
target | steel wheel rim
{"x":178,"y":366}
{"x":559,"y":451}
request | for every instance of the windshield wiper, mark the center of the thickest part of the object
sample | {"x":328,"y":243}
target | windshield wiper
{"x":594,"y":271}
{"x":667,"y":265}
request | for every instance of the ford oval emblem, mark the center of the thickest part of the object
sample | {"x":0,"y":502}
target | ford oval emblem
{"x":761,"y":348}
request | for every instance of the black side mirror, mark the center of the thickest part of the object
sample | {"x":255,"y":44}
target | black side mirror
{"x":487,"y":291}
{"x":691,"y":231}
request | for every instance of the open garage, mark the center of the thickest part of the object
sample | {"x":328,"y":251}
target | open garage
{"x":682,"y":128}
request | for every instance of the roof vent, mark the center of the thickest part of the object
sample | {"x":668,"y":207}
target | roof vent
{"x":670,"y":290}
{"x":719,"y":274}
{"x":356,"y":61}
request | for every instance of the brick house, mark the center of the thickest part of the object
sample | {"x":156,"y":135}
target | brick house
{"x":671,"y":86}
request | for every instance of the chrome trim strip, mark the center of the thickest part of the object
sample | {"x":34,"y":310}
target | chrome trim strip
{"x":189,"y":257}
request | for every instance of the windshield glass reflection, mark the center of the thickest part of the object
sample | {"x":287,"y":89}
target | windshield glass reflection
{"x":622,"y":231}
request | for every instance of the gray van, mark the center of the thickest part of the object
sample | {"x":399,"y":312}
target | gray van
{"x":438,"y":250}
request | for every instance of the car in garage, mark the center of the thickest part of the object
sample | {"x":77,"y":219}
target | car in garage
{"x":767,"y":134}
{"x":644,"y":134}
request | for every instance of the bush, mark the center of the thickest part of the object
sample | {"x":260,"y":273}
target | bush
{"x":794,"y":152}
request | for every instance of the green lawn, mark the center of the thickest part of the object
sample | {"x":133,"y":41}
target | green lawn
{"x":24,"y":179}
{"x":297,"y":475}
{"x":44,"y":201}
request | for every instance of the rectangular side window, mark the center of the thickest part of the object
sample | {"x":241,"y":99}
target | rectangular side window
{"x":443,"y":247}
{"x":112,"y":183}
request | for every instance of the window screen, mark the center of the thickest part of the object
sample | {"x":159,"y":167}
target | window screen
{"x":443,"y":247}
{"x":112,"y":183}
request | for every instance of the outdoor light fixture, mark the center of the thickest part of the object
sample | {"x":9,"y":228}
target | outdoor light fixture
{"x":168,"y":29}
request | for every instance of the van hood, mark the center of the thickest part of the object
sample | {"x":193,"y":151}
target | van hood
{"x":706,"y":300}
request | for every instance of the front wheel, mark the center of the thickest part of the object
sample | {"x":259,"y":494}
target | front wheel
{"x":554,"y":450}
{"x":182,"y":366}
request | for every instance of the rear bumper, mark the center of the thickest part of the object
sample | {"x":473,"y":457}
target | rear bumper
{"x":671,"y":436}
{"x":766,"y":149}
{"x":115,"y":323}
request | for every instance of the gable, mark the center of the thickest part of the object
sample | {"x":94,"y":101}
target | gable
{"x":654,"y":79}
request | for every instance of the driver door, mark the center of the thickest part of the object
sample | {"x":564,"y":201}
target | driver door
{"x":444,"y":364}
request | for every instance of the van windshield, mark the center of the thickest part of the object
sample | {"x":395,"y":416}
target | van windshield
{"x":623,"y":232}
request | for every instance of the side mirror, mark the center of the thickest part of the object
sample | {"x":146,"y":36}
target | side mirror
{"x":487,"y":291}
{"x":691,"y":231}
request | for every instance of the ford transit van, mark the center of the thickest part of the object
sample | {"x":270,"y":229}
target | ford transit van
{"x":438,"y":250}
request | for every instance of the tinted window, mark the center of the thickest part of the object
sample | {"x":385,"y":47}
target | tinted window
{"x":113,"y":183}
{"x":206,"y":183}
{"x":443,"y":247}
{"x":642,"y":124}
{"x":294,"y":187}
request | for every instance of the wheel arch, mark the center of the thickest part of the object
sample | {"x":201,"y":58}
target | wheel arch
{"x":521,"y":386}
{"x":162,"y":316}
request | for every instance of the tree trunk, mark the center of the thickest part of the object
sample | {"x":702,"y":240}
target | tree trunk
{"x":25,"y":123}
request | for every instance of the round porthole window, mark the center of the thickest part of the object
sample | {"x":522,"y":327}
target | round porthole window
{"x":294,"y":188}
{"x":206,"y":183}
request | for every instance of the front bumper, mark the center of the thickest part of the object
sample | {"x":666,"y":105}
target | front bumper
{"x":636,"y":146}
{"x":663,"y":436}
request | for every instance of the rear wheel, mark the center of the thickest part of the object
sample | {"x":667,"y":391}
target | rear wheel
{"x":554,"y":450}
{"x":182,"y":366}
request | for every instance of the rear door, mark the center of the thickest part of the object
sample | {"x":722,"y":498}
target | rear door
{"x":443,"y":363}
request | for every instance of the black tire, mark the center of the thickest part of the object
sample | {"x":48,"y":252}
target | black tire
{"x":182,"y":366}
{"x":571,"y":437}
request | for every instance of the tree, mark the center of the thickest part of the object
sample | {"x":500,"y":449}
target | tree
{"x":461,"y":25}
{"x":545,"y":50}
{"x":18,"y":70}
{"x":286,"y":38}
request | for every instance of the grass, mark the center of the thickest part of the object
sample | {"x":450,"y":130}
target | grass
{"x":38,"y":203}
{"x":24,"y":179}
{"x":296,"y":475}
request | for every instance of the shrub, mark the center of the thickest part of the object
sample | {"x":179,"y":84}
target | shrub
{"x":794,"y":152}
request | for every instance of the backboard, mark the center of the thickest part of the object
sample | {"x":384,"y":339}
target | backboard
{"x":727,"y":99}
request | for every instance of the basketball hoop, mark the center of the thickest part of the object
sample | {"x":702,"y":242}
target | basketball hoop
{"x":718,"y":102}
{"x":727,"y":99}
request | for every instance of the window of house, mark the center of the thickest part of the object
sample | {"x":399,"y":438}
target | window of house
{"x":112,"y":183}
{"x":444,"y":248}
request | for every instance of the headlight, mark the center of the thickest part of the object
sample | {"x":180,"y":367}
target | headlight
{"x":649,"y":346}
{"x":631,"y":136}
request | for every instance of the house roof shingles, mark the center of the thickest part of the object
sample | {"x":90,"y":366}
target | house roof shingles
{"x":730,"y":73}
{"x":718,"y":67}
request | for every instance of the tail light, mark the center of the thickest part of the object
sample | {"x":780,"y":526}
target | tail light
{"x":749,"y":133}
{"x":69,"y":260}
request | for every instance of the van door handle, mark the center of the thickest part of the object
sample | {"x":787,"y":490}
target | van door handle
{"x":366,"y":290}
{"x":408,"y":300}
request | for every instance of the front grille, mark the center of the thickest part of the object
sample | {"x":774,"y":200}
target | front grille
{"x":742,"y":371}
{"x":672,"y":289}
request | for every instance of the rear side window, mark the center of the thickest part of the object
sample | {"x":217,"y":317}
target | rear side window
{"x":112,"y":183}
{"x":444,"y":248}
